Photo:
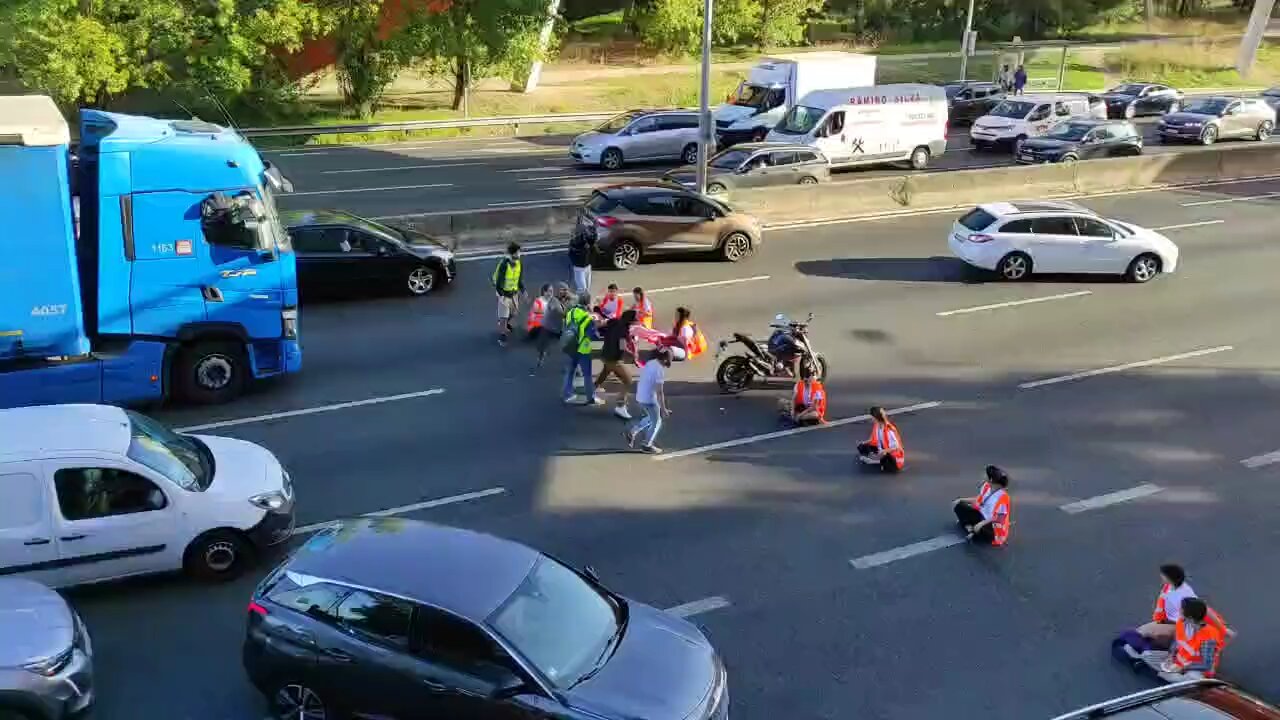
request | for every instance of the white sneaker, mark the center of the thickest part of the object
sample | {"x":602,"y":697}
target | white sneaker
{"x":570,"y":399}
{"x":622,"y":412}
{"x":652,"y":449}
{"x":596,"y":400}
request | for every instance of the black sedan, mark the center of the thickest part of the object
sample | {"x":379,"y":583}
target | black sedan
{"x":338,"y":251}
{"x":1082,"y":140}
{"x":402,"y":619}
{"x":1133,"y":99}
{"x":968,"y":100}
{"x":755,"y":165}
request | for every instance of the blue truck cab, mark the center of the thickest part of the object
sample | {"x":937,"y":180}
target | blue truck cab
{"x":174,"y":277}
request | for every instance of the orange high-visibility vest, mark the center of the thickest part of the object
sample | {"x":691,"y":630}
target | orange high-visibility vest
{"x":611,"y":308}
{"x":536,"y":311}
{"x":695,"y":343}
{"x":1002,"y":515}
{"x":815,"y":397}
{"x":1161,"y":615}
{"x":644,"y":313}
{"x":885,"y":437}
{"x":1187,"y":645}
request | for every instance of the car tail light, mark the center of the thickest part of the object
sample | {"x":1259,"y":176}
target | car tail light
{"x":980,"y":238}
{"x":606,"y":221}
{"x":256,"y":608}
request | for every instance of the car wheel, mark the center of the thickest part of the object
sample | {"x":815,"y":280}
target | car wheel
{"x":210,"y":372}
{"x":920,"y":158}
{"x":297,"y":701}
{"x":1130,"y":112}
{"x":808,"y":180}
{"x":1264,"y":130}
{"x":690,"y":154}
{"x":217,"y":556}
{"x":1014,"y":267}
{"x":422,"y":280}
{"x":736,"y":247}
{"x":1069,"y":159}
{"x":1144,"y":268}
{"x":716,"y":189}
{"x":625,"y":255}
{"x":1209,"y":136}
{"x":611,"y":159}
{"x":1017,"y":143}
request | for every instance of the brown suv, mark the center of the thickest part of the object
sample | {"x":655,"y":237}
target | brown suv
{"x":626,"y":222}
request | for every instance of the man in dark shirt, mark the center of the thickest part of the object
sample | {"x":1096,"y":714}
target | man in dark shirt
{"x":612,"y":355}
{"x":581,"y":250}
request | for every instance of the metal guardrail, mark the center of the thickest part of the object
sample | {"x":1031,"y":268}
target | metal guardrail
{"x":514,"y":121}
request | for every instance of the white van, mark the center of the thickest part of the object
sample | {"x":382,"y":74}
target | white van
{"x":775,"y":84}
{"x":870,"y":125}
{"x":1022,"y":116}
{"x":92,"y":492}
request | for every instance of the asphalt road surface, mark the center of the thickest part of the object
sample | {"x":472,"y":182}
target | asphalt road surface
{"x":495,"y":173}
{"x":1130,"y":456}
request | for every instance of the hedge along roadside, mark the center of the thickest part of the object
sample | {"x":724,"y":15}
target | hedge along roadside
{"x":886,"y":195}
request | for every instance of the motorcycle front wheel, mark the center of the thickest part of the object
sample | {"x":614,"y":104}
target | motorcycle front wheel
{"x":734,"y":374}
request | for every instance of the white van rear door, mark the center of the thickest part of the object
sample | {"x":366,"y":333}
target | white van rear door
{"x":26,"y":536}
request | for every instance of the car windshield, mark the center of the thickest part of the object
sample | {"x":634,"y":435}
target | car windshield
{"x":182,"y":459}
{"x":751,"y":96}
{"x":1069,"y":131}
{"x":1211,"y":106}
{"x":377,"y":228}
{"x":1126,"y":89}
{"x":559,"y":622}
{"x":617,"y":123}
{"x":729,"y":159}
{"x":271,"y":231}
{"x":1013,"y":109}
{"x":800,"y":120}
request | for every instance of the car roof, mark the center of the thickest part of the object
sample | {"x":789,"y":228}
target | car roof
{"x":753,"y":147}
{"x":1180,"y":701}
{"x":43,"y":430}
{"x":466,"y":573}
{"x":1034,"y":207}
{"x":643,"y":186}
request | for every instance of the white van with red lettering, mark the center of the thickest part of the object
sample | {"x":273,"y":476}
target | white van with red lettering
{"x":870,"y":125}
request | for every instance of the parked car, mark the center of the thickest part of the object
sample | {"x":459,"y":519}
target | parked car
{"x":1271,"y":96}
{"x":94,"y":492}
{"x":1018,"y":239}
{"x":754,"y":165}
{"x":1129,"y":100}
{"x":628,"y":222}
{"x":395,"y":618}
{"x":1191,"y":700}
{"x":639,"y":135}
{"x":340,"y":251}
{"x":46,"y":660}
{"x":1026,"y":116}
{"x":969,"y":100}
{"x":1207,"y":120}
{"x":1082,"y":140}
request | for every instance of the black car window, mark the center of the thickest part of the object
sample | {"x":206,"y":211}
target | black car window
{"x":653,"y":204}
{"x":321,"y":240}
{"x":977,"y":219}
{"x":1088,"y":227}
{"x":644,"y":125}
{"x":686,"y":206}
{"x":782,"y":158}
{"x":377,"y":617}
{"x":774,"y":98}
{"x":87,"y":493}
{"x":1017,"y":226}
{"x":601,"y":203}
{"x":316,"y":599}
{"x":1040,"y":113}
{"x":761,"y":160}
{"x":1102,"y":134}
{"x":835,"y":123}
{"x":441,"y":638}
{"x":1053,"y":226}
{"x":677,"y":122}
{"x":806,"y":157}
{"x":965,"y":94}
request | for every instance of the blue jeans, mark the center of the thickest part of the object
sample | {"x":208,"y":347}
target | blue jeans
{"x":583,"y":363}
{"x":647,"y":427}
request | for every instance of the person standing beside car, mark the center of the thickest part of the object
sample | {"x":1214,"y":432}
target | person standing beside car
{"x":581,"y":252}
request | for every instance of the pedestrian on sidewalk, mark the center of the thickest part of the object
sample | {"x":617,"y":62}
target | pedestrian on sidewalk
{"x":616,"y":334}
{"x":576,"y":341}
{"x":652,"y":397}
{"x":987,"y":517}
{"x":508,"y":283}
{"x":1019,"y":80}
{"x":582,"y":251}
{"x":552,"y":321}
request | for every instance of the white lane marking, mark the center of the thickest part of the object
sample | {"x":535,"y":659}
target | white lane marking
{"x":1014,"y":303}
{"x":310,"y":410}
{"x":1122,"y":368}
{"x":532,"y":203}
{"x":906,"y":551}
{"x":312,"y":152}
{"x":698,"y":607}
{"x":1182,"y":226}
{"x":586,"y":176}
{"x":400,"y":167}
{"x":414,"y":144}
{"x":1115,"y":498}
{"x":715,"y":283}
{"x":1258,"y":461}
{"x":549,"y":168}
{"x":785,"y":433}
{"x":373,"y":189}
{"x":498,"y":254}
{"x":425,"y":505}
{"x":1221,"y":201}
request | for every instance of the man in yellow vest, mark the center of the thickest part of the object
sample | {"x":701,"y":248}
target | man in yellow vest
{"x":508,"y":282}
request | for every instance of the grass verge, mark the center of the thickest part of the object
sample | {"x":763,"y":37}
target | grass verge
{"x":1195,"y":64}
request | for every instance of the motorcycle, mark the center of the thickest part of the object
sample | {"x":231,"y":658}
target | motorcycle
{"x":738,"y":371}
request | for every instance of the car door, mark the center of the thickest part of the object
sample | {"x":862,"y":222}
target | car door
{"x":644,"y":140}
{"x":1095,"y":144}
{"x":963,"y":105}
{"x":990,"y":98}
{"x":27,"y":545}
{"x":110,"y":521}
{"x":678,"y":131}
{"x":702,"y":223}
{"x":755,"y":172}
{"x":380,"y":261}
{"x":326,"y":258}
{"x":362,"y":647}
{"x":1100,"y":250}
{"x":783,"y":168}
{"x":1055,"y":246}
{"x":1234,"y":121}
{"x":661,"y":226}
{"x":831,"y":138}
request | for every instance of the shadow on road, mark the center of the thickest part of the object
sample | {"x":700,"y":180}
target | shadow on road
{"x":930,"y":269}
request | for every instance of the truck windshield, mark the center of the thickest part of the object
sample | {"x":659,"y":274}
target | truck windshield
{"x":800,"y":120}
{"x":180,"y":458}
{"x":272,"y":234}
{"x":752,"y":96}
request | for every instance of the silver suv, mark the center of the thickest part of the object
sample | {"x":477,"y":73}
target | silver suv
{"x":1207,"y":120}
{"x":46,"y":662}
{"x":639,"y":135}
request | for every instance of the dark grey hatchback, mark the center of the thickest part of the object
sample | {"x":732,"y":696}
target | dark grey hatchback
{"x":400,"y":619}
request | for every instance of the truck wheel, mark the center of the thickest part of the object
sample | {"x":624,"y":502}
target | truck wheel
{"x":210,"y":372}
{"x":920,"y":158}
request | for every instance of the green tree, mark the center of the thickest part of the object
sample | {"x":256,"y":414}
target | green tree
{"x":783,"y":22}
{"x":734,"y":22}
{"x":671,"y":25}
{"x":368,"y":59}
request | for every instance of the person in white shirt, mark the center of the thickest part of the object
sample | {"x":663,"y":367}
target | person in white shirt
{"x":653,"y":400}
{"x":1164,"y":620}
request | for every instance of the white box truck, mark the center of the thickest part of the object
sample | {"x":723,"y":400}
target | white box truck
{"x":775,"y":84}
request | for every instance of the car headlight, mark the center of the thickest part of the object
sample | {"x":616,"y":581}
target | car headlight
{"x":53,"y":665}
{"x":273,"y":501}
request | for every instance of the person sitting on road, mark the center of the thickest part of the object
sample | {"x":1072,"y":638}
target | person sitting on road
{"x":643,"y":307}
{"x":884,"y":447}
{"x":687,"y":340}
{"x":610,"y":307}
{"x":987,"y":517}
{"x":1199,"y":638}
{"x":807,"y":405}
{"x":1164,"y":620}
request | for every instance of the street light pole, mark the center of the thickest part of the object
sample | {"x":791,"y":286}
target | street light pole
{"x":705,"y":130}
{"x":964,"y":43}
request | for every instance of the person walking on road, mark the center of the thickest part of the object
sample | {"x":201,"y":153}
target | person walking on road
{"x":884,"y":446}
{"x":582,"y":250}
{"x":508,"y":283}
{"x":1019,"y":80}
{"x":652,"y":397}
{"x":616,"y":333}
{"x":986,"y":518}
{"x":551,"y":320}
{"x":643,"y":307}
{"x":576,"y":341}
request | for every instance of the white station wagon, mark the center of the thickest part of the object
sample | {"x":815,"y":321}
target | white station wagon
{"x":92,"y":492}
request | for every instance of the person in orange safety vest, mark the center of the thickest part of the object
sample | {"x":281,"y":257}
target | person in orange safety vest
{"x":884,"y":446}
{"x":807,"y":405}
{"x":987,"y":517}
{"x":611,"y":305}
{"x":643,"y":307}
{"x":1199,"y":638}
{"x":688,"y":338}
{"x":537,"y":311}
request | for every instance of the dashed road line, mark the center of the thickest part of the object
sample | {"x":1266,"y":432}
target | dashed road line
{"x":906,"y":551}
{"x":425,"y":505}
{"x":1184,"y":226}
{"x":1223,"y":201}
{"x":1014,"y":303}
{"x":714,"y":283}
{"x":371,"y":189}
{"x":1114,"y":498}
{"x":309,"y":411}
{"x":1122,"y":368}
{"x":698,"y":607}
{"x":1263,"y":460}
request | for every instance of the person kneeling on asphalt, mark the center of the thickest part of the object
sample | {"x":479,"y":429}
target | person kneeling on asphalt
{"x":808,"y":404}
{"x":884,"y":447}
{"x":987,"y":517}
